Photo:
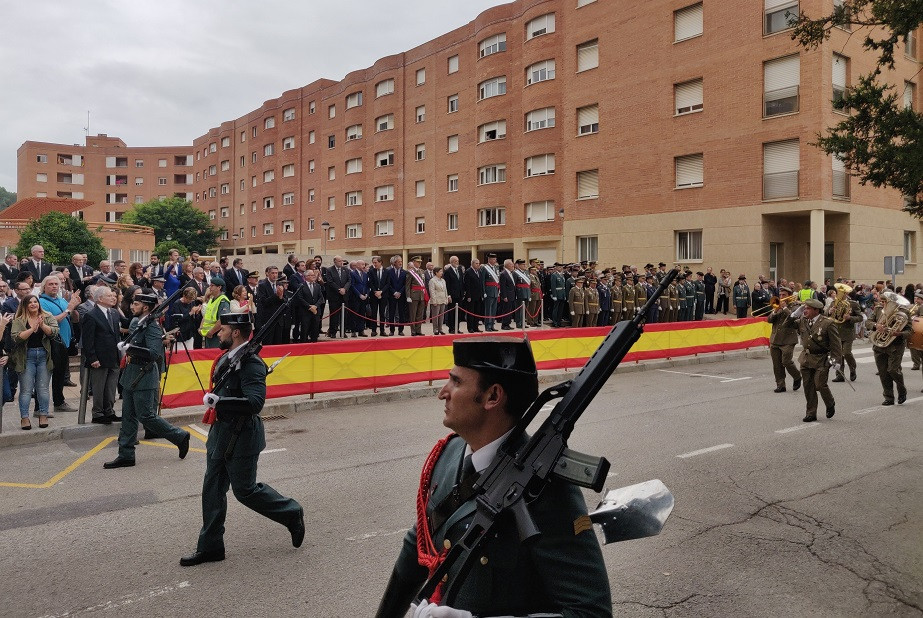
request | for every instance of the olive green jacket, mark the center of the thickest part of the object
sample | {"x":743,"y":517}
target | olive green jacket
{"x":21,"y":346}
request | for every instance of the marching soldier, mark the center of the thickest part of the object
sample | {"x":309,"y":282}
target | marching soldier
{"x":592,"y":303}
{"x":820,"y":339}
{"x":576,"y":299}
{"x":782,"y":342}
{"x":847,"y":336}
{"x":234,"y":444}
{"x":140,"y":385}
{"x":888,"y":348}
{"x":561,"y":572}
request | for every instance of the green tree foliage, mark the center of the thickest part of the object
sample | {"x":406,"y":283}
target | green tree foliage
{"x":62,"y":236}
{"x":162,"y":249}
{"x":6,"y":198}
{"x":178,"y":219}
{"x":881,"y":142}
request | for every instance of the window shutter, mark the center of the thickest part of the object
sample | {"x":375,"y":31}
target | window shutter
{"x":588,"y":55}
{"x":773,"y":4}
{"x":690,"y":170}
{"x":909,"y":87}
{"x":588,"y":183}
{"x":780,"y":169}
{"x":839,"y":71}
{"x":687,"y":22}
{"x":689,"y":96}
{"x":781,"y":77}
{"x":588,"y":115}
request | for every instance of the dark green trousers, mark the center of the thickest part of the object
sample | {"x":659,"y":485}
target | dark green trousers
{"x":140,"y":406}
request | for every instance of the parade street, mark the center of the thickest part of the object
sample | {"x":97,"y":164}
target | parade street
{"x":773,"y":516}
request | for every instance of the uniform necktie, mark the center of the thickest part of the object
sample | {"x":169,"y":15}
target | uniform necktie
{"x":467,"y":467}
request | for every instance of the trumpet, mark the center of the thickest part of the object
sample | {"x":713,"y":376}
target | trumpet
{"x":774,"y":304}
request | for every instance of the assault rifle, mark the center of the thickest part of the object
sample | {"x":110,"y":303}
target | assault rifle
{"x":156,"y":312}
{"x":516,"y":478}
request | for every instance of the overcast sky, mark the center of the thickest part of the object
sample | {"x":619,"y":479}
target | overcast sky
{"x":160,"y":73}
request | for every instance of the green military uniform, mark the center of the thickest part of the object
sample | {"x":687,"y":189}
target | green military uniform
{"x":664,"y":302}
{"x":241,"y":400}
{"x":690,"y":300}
{"x":535,"y":300}
{"x":888,"y":360}
{"x":820,"y":339}
{"x":673,"y":292}
{"x":640,"y":296}
{"x":140,"y":382}
{"x":592,"y":306}
{"x":628,"y":300}
{"x":782,"y":342}
{"x":699,"y":287}
{"x":576,"y":299}
{"x":616,"y":312}
{"x":681,"y":298}
{"x":847,"y":335}
{"x":558,"y":292}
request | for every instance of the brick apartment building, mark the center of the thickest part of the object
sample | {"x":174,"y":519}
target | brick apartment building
{"x":564,"y":130}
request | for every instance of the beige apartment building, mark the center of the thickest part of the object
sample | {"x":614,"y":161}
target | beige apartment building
{"x":567,"y":130}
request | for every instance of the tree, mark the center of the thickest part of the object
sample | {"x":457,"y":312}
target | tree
{"x":178,"y":219}
{"x":6,"y":198}
{"x":881,"y":142}
{"x":162,"y":249}
{"x":62,"y":236}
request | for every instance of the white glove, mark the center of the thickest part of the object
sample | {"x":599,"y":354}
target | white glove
{"x":210,"y":400}
{"x":122,"y":346}
{"x":431,"y":610}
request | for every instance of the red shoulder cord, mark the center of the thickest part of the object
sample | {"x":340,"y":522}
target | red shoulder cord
{"x":427,"y":553}
{"x":210,"y":414}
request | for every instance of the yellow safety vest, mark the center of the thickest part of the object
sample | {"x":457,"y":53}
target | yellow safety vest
{"x":211,"y":314}
{"x":805,"y":294}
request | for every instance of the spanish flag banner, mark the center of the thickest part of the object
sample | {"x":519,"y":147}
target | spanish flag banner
{"x":373,"y":363}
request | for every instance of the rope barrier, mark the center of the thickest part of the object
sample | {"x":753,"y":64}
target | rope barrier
{"x":398,"y":324}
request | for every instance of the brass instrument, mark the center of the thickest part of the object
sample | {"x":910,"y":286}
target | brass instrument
{"x":775,"y":303}
{"x":894,"y":317}
{"x":841,"y":308}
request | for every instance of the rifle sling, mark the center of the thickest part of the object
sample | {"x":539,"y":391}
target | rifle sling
{"x":461,"y":493}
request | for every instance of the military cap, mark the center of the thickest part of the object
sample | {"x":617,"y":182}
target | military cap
{"x":147,"y":299}
{"x":660,"y":264}
{"x":591,"y":280}
{"x":581,"y":278}
{"x":109,"y":279}
{"x":253,"y":275}
{"x":648,"y":265}
{"x":742,"y":278}
{"x":494,"y":354}
{"x":282,"y":279}
{"x":489,"y":255}
{"x":783,"y":288}
{"x":700,"y":273}
{"x":680,"y":277}
{"x":161,"y":279}
{"x":235,"y":319}
{"x":814,"y":303}
{"x":417,"y":258}
{"x":918,"y":294}
{"x":217,"y":281}
{"x":520,"y":261}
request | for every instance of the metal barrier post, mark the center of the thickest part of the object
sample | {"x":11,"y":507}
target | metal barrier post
{"x":343,"y":320}
{"x":541,"y":312}
{"x":456,"y":318}
{"x":524,"y":314}
{"x":84,"y":387}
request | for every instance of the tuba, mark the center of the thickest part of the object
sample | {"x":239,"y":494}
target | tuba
{"x":841,"y":308}
{"x":894,"y":317}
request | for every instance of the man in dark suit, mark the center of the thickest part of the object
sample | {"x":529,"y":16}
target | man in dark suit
{"x":338,"y":283}
{"x":397,"y":301}
{"x":269,"y":297}
{"x":473,"y":296}
{"x":9,"y":270}
{"x":309,"y":302}
{"x":289,"y":269}
{"x":454,"y":286}
{"x":80,"y":274}
{"x":38,"y":265}
{"x":155,"y":268}
{"x":295,"y":281}
{"x":100,"y":336}
{"x":358,"y":298}
{"x":379,"y":292}
{"x":507,"y":299}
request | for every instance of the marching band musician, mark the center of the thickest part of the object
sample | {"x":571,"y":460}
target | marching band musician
{"x":782,"y":342}
{"x":848,"y":315}
{"x":820,"y":339}
{"x":891,"y":326}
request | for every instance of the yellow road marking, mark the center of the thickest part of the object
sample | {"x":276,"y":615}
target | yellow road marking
{"x":191,"y":450}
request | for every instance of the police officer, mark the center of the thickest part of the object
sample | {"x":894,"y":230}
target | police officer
{"x":491,"y":385}
{"x":234,"y":444}
{"x":820,"y":339}
{"x":140,"y":384}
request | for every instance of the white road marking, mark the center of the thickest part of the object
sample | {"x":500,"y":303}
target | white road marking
{"x":273,"y":450}
{"x":198,"y":429}
{"x":724,"y":379}
{"x":125,"y":600}
{"x":373,"y":535}
{"x":702,"y":451}
{"x":798,"y":427}
{"x":879,"y":407}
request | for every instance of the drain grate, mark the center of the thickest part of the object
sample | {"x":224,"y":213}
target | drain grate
{"x":274,"y":417}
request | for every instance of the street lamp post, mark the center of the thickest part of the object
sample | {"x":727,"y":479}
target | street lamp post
{"x":561,"y":214}
{"x":325,"y":226}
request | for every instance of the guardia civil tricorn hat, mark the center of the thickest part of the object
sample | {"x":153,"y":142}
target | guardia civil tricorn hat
{"x":496,"y":354}
{"x":235,"y":319}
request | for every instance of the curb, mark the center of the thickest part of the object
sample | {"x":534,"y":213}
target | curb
{"x":292,"y":406}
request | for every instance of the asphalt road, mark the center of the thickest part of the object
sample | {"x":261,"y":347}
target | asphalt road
{"x":773,"y":516}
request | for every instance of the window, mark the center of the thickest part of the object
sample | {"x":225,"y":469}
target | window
{"x":491,"y":131}
{"x":252,"y":158}
{"x":421,"y":188}
{"x":331,"y":172}
{"x":243,"y":137}
{"x":421,"y":77}
{"x":161,"y":181}
{"x":310,"y":195}
{"x":840,"y":76}
{"x":690,"y":170}
{"x":420,"y":113}
{"x":138,"y":181}
{"x":311,"y":224}
{"x":587,"y":248}
{"x":311,"y":107}
{"x":539,"y":211}
{"x":384,"y":228}
{"x":253,"y":230}
{"x":354,"y":230}
{"x":161,"y":162}
{"x":453,"y":143}
{"x":452,"y":221}
{"x":540,"y":119}
{"x":212,"y":170}
{"x":242,"y":186}
{"x":492,"y":88}
{"x":491,"y":216}
{"x":211,"y":215}
{"x":588,"y":119}
{"x":241,"y":209}
{"x":540,"y":165}
{"x":288,"y":143}
{"x":41,"y":178}
{"x":311,"y":137}
{"x":384,"y":193}
{"x":687,"y":23}
{"x":453,"y":64}
{"x":268,"y":229}
{"x":288,"y":170}
{"x":780,"y":169}
{"x":910,"y":243}
{"x":781,"y":79}
{"x":840,"y":179}
{"x":778,"y":14}
{"x":331,"y":203}
{"x":543,"y":24}
{"x":689,"y":245}
{"x":269,"y":175}
{"x":910,"y":91}
{"x":688,"y":97}
{"x":268,"y":203}
{"x":331,"y":141}
{"x":490,"y":174}
{"x":253,"y":181}
{"x":269,"y":150}
{"x":588,"y":55}
{"x":42,"y":158}
{"x":140,"y":162}
{"x":354,"y":100}
{"x":243,"y":160}
{"x":269,"y":122}
{"x":288,"y":114}
{"x":225,"y":212}
{"x":311,"y":166}
{"x":225,"y":188}
{"x":452,"y":182}
{"x":354,"y":198}
{"x":385,"y":158}
{"x":353,"y":132}
{"x":385,"y":123}
{"x":581,"y":3}
{"x":213,"y":147}
{"x":420,"y":152}
{"x":492,"y":44}
{"x":910,"y":44}
{"x":420,"y":225}
{"x":225,"y":142}
{"x":288,"y":226}
{"x":354,"y":166}
{"x":453,"y":103}
{"x":384,"y":87}
{"x":225,"y":165}
{"x":587,"y":184}
{"x":332,"y":111}
{"x":540,"y":72}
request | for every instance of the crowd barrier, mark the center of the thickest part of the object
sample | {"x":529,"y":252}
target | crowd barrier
{"x":373,"y":363}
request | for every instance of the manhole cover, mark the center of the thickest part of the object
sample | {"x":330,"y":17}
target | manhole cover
{"x":274,"y":417}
